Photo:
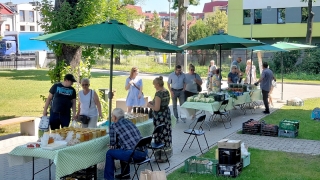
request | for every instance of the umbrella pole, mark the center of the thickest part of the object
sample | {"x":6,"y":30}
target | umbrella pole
{"x":110,"y":95}
{"x":220,"y":67}
{"x":251,"y":65}
{"x":281,"y":77}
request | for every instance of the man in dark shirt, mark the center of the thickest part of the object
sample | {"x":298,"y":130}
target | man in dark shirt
{"x":62,"y":97}
{"x":265,"y":85}
{"x":124,"y":136}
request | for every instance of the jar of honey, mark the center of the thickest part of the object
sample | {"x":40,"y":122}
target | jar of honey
{"x":80,"y":136}
{"x":98,"y":133}
{"x":90,"y":135}
{"x":94,"y":134}
{"x":86,"y":136}
{"x":103,"y":132}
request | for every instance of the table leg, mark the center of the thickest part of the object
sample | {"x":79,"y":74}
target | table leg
{"x":95,"y":172}
{"x":32,"y":168}
{"x":49,"y":169}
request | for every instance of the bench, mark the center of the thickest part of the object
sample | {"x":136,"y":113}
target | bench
{"x":28,"y":125}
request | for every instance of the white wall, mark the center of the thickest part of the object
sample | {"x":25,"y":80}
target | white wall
{"x":26,"y":7}
{"x":262,"y":4}
{"x":4,"y":23}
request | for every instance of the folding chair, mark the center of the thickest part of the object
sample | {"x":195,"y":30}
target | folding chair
{"x":222,"y":112}
{"x":196,"y":132}
{"x":158,"y":146}
{"x":143,"y":142}
{"x":255,"y":97}
{"x":241,"y":103}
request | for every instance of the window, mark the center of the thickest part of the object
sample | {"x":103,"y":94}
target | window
{"x":257,"y":16}
{"x":7,"y":27}
{"x":31,"y":16}
{"x":22,"y":28}
{"x":21,"y":13}
{"x":246,"y":16}
{"x":304,"y":14}
{"x":31,"y":28}
{"x":281,"y":16}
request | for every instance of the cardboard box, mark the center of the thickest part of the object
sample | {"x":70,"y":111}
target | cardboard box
{"x":229,"y":144}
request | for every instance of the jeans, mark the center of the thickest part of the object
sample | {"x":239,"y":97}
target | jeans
{"x":58,"y":119}
{"x":265,"y":95}
{"x":123,"y":156}
{"x":176,"y":95}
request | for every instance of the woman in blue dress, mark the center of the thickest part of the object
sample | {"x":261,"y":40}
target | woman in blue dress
{"x":134,"y":86}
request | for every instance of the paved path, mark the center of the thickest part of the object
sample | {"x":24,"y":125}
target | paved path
{"x":24,"y":172}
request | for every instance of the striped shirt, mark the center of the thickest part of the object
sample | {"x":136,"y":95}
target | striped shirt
{"x":124,"y":134}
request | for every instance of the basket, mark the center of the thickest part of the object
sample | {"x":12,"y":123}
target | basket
{"x":251,"y":127}
{"x":292,"y":125}
{"x":198,"y":165}
{"x":288,"y":133}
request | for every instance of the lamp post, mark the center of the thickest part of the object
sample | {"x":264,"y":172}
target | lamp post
{"x":186,"y":5}
{"x":170,"y":31}
{"x":251,"y":23}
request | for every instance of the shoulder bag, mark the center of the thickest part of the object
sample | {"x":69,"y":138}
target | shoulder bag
{"x":199,"y":88}
{"x":83,"y":118}
{"x":136,"y":86}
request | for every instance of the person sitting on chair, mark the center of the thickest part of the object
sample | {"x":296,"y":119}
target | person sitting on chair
{"x":124,"y":136}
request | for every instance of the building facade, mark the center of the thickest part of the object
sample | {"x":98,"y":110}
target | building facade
{"x":210,"y":7}
{"x":25,"y":17}
{"x":273,"y":20}
{"x":6,"y":19}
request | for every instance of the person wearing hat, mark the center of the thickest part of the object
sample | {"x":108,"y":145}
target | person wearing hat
{"x":62,"y":97}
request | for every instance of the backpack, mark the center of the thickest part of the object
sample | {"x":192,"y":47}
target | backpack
{"x":315,"y":114}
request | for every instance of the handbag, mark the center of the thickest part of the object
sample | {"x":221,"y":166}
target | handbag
{"x":83,"y":118}
{"x":199,"y":88}
{"x":152,"y":175}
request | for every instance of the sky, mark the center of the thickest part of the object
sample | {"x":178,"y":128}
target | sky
{"x":147,"y":5}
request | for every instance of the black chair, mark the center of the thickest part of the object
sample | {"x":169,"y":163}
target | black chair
{"x":196,"y":132}
{"x":143,"y":142}
{"x":158,"y":146}
{"x":222,"y":112}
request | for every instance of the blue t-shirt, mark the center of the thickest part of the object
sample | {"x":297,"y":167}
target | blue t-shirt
{"x":62,"y":98}
{"x":234,"y":77}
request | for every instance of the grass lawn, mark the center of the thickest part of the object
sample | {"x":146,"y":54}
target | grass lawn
{"x":309,"y":129}
{"x":265,"y":165}
{"x":22,"y":89}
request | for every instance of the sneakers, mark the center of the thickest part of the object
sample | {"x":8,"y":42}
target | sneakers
{"x":266,"y":112}
{"x":122,"y":176}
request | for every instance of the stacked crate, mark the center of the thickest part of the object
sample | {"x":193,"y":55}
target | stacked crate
{"x":199,"y":165}
{"x":251,"y":127}
{"x":269,"y":130}
{"x":289,"y":128}
{"x":229,"y":157}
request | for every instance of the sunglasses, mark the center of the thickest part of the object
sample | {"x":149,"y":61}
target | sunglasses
{"x":191,"y":69}
{"x":84,"y":84}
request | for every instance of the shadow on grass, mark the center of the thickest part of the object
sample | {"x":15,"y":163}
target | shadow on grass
{"x":6,"y":117}
{"x":35,"y":75}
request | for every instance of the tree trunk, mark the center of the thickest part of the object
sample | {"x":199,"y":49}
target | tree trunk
{"x":181,"y":33}
{"x":309,"y":22}
{"x":71,"y":55}
{"x":117,"y":60}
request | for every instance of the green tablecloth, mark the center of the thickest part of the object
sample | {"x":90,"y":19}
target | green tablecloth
{"x":211,"y":107}
{"x":72,"y":158}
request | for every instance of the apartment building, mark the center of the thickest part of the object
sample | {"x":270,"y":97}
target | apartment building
{"x":6,"y":19}
{"x":272,"y":20}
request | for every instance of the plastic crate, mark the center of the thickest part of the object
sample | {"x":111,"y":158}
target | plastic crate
{"x":288,"y":133}
{"x":292,"y":125}
{"x":269,"y":130}
{"x":229,"y":156}
{"x":246,"y":160}
{"x":295,"y":103}
{"x":198,"y":165}
{"x":251,"y":127}
{"x":230,"y":170}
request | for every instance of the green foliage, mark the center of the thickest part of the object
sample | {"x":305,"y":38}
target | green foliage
{"x":56,"y":72}
{"x":153,"y":27}
{"x":289,"y":61}
{"x":311,"y":62}
{"x":219,"y":21}
{"x":198,"y":31}
{"x":192,"y":2}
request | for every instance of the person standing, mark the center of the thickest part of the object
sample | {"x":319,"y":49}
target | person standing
{"x":250,"y":71}
{"x":176,"y":85}
{"x":162,"y":115}
{"x":62,"y":97}
{"x":192,"y":80}
{"x":89,"y":104}
{"x":211,"y":71}
{"x":215,"y":81}
{"x":134,"y":85}
{"x":124,"y":136}
{"x":265,"y":85}
{"x":237,"y":64}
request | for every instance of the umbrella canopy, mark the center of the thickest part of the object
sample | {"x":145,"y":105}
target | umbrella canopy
{"x":221,"y":42}
{"x":263,"y":48}
{"x":226,"y":41}
{"x":112,"y":35}
{"x":292,"y":46}
{"x":107,"y":34}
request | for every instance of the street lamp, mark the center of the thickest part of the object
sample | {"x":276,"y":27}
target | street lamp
{"x":186,"y":5}
{"x":251,"y":23}
{"x":170,"y":31}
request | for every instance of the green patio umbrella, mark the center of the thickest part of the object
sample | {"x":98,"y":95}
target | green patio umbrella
{"x":112,"y":34}
{"x":220,"y":42}
{"x":289,"y":47}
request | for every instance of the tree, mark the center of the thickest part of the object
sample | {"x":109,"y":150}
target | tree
{"x":309,"y":21}
{"x":198,"y":31}
{"x":218,"y":21}
{"x":179,"y":5}
{"x":153,"y":27}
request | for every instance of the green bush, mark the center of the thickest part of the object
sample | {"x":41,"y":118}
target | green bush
{"x":311,"y":62}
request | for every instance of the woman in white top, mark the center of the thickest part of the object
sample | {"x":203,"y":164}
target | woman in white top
{"x":250,"y":71}
{"x":89,"y":104}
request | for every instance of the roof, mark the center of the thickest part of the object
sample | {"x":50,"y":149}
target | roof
{"x":208,"y":7}
{"x":137,"y":8}
{"x":5,"y":9}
